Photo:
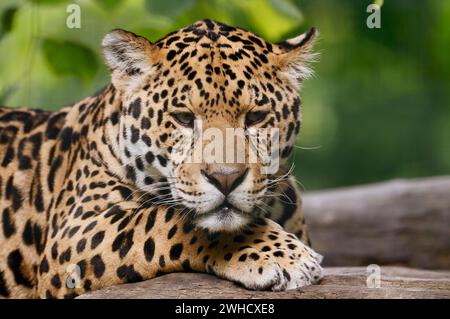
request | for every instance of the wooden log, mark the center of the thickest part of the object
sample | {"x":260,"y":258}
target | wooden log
{"x":393,"y":223}
{"x":395,"y":282}
{"x":400,"y":222}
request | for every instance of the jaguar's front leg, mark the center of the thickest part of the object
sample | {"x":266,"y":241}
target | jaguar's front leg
{"x":263,"y":257}
{"x":126,"y":245}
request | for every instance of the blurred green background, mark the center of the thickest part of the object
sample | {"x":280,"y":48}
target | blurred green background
{"x":378,"y":107}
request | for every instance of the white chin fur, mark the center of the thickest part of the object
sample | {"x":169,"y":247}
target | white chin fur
{"x":216,"y":223}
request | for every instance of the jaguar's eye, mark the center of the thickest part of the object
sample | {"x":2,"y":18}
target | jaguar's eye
{"x":184,"y":118}
{"x":252,"y":118}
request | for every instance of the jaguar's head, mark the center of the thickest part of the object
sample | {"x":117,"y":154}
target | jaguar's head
{"x":193,"y":106}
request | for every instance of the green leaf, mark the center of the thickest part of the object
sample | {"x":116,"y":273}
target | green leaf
{"x":378,"y":2}
{"x":109,"y":4}
{"x":287,"y":8}
{"x":70,"y":58}
{"x":48,"y":1}
{"x":269,"y":22}
{"x":168,"y":8}
{"x":6,"y":20}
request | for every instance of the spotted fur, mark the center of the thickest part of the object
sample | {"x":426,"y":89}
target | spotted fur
{"x":94,"y":186}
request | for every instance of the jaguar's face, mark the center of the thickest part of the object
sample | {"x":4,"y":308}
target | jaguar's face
{"x":209,"y":115}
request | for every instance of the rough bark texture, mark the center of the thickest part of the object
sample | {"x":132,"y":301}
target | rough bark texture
{"x":396,"y":282}
{"x":393,"y":223}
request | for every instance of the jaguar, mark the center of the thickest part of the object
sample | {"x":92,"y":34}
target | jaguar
{"x":93,"y":195}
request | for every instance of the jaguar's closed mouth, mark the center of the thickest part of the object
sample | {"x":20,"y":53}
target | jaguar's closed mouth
{"x":225,"y":210}
{"x":225,"y":214}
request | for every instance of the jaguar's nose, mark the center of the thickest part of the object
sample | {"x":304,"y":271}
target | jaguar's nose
{"x":225,"y":177}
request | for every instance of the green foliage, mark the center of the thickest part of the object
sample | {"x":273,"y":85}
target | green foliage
{"x":6,"y":20}
{"x":287,"y":8}
{"x":168,"y":8}
{"x":109,"y":4}
{"x":48,"y":1}
{"x":378,"y":107}
{"x":69,"y":58}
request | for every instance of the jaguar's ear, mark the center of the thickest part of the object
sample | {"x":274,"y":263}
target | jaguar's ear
{"x":129,"y":57}
{"x":296,"y":56}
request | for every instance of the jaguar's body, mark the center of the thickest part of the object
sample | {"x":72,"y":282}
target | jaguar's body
{"x":91,"y":195}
